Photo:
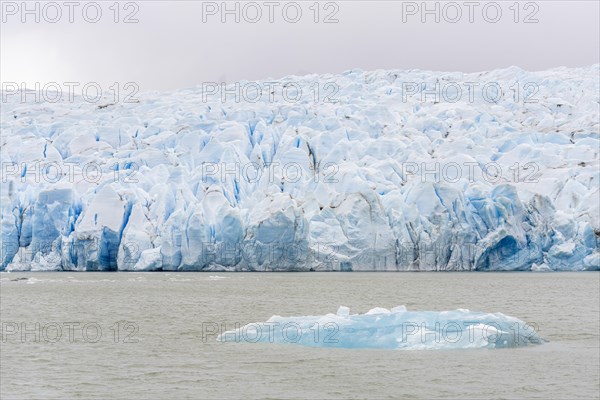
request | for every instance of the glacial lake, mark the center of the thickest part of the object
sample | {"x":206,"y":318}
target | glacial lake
{"x":152,"y":336}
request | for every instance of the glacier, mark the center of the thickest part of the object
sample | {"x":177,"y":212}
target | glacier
{"x":374,"y":174}
{"x":396,"y":329}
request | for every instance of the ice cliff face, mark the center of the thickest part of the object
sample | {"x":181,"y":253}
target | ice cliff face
{"x":384,"y":170}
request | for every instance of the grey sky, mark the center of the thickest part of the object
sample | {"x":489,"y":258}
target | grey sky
{"x":171,"y":47}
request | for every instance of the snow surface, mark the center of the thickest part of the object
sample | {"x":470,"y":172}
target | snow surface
{"x":368,"y":182}
{"x":391,"y":329}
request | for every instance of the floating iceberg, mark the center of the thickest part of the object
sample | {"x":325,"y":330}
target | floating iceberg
{"x":397,"y":328}
{"x":375,"y":174}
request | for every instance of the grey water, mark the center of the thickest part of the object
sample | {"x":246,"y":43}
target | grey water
{"x":146,"y":336}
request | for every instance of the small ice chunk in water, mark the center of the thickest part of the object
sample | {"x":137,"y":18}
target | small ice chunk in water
{"x":343,"y":311}
{"x":397,"y":328}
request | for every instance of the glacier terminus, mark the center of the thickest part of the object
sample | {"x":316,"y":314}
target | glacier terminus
{"x":373,"y":171}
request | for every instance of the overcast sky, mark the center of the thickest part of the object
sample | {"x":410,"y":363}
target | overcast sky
{"x":178,"y":44}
